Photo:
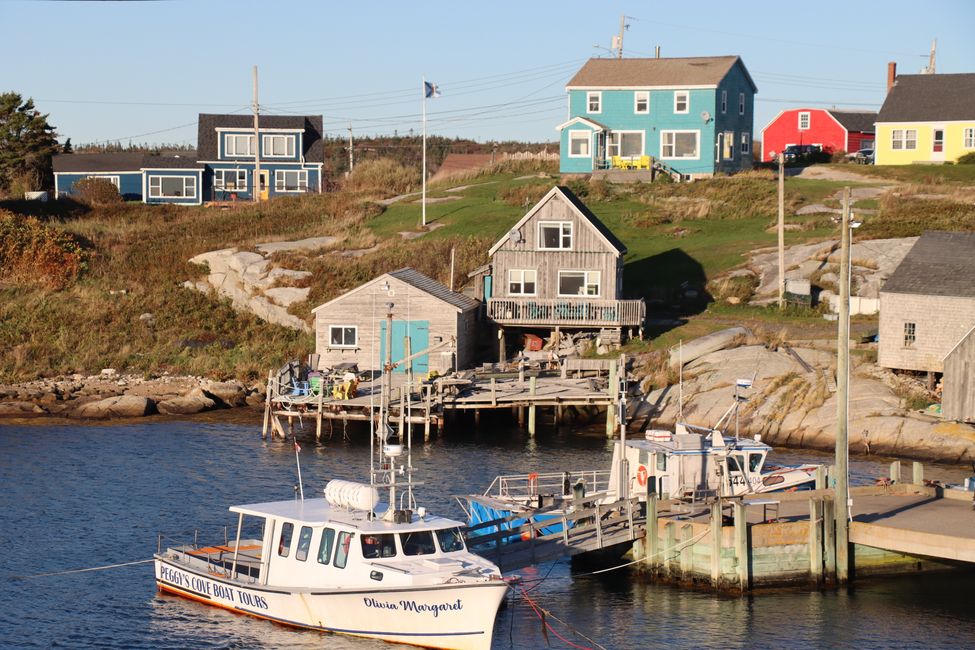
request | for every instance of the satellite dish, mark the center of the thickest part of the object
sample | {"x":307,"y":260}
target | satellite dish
{"x":514,"y":236}
{"x":706,"y":116}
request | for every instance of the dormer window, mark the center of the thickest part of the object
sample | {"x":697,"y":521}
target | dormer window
{"x":238,"y":145}
{"x":278,"y":146}
{"x":554,"y":235}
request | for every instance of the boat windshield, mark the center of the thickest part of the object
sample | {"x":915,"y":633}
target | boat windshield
{"x":418,"y":543}
{"x":377,"y":546}
{"x":755,"y":462}
{"x":450,"y":540}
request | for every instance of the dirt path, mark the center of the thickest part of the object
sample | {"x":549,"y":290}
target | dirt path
{"x":820,"y":172}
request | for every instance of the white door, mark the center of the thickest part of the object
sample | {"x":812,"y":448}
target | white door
{"x":938,"y":143}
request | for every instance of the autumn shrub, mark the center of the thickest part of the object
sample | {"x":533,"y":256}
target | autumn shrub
{"x":32,"y":253}
{"x":384,"y":177}
{"x":523,"y":196}
{"x":967,"y":159}
{"x":97,"y":191}
{"x":740,"y":288}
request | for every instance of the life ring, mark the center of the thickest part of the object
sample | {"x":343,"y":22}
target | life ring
{"x":641,"y":475}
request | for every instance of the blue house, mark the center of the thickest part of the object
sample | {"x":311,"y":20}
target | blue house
{"x":222,"y":169}
{"x":691,"y":115}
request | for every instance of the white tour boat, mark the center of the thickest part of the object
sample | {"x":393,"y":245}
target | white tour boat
{"x":348,"y":563}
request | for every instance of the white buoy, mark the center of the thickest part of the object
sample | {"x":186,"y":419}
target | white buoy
{"x":350,"y":494}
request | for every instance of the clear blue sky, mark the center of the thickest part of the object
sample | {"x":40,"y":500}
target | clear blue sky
{"x":143,"y":70}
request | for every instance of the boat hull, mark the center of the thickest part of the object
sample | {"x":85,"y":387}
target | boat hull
{"x":450,"y":616}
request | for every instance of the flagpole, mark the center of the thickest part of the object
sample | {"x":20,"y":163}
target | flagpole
{"x":423,"y":170}
{"x":301,"y":488}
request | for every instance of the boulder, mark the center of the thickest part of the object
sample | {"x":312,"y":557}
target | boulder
{"x":231,"y":393}
{"x":19,"y":409}
{"x":286,"y":296}
{"x":217,"y":261}
{"x":122,"y":406}
{"x":239,"y":262}
{"x":185,"y":405}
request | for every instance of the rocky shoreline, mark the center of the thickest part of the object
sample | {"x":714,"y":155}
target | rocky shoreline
{"x":113,"y":395}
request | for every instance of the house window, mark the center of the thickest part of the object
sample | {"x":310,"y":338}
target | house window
{"x":230,"y":179}
{"x":579,"y":144}
{"x":554,"y":235}
{"x":682,"y":101}
{"x":172,"y":187}
{"x":641,"y":102}
{"x":114,"y":180}
{"x":578,"y":283}
{"x":724,"y":102}
{"x":969,"y":138}
{"x":343,"y":336}
{"x":291,"y":180}
{"x":804,"y":121}
{"x":741,"y":103}
{"x":594,"y":102}
{"x":278,"y":146}
{"x":745,"y":142}
{"x":628,"y":144}
{"x":903,"y":139}
{"x":521,"y":282}
{"x":238,"y":145}
{"x":304,"y":543}
{"x":910,"y":334}
{"x":728,"y":145}
{"x":679,"y":144}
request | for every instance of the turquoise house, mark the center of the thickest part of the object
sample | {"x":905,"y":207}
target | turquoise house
{"x":693,"y":116}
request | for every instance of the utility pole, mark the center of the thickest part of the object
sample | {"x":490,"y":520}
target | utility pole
{"x":257,"y":144}
{"x":351,"y":158}
{"x":843,"y":401}
{"x":930,"y":69}
{"x":781,"y":230}
{"x":619,"y":50}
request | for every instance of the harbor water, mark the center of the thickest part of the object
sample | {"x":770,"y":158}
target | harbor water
{"x":76,"y":496}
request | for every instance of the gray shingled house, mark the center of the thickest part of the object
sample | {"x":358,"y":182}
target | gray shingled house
{"x":352,"y":327}
{"x":928,"y":304}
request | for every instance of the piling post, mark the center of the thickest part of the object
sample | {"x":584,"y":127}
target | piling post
{"x":918,"y":473}
{"x":843,"y":401}
{"x":531,"y":406}
{"x":477,"y":418}
{"x":613,"y":391}
{"x":829,"y":540}
{"x":895,"y":471}
{"x":494,"y":392}
{"x":716,"y":521}
{"x":521,"y":417}
{"x":670,"y":542}
{"x":741,"y":545}
{"x":653,"y":533}
{"x":426,"y":415}
{"x":268,"y":396}
{"x":318,"y":414}
{"x":686,"y":552}
{"x":816,"y":541}
{"x":820,"y":478}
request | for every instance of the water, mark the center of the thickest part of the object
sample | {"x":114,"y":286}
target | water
{"x":80,"y":496}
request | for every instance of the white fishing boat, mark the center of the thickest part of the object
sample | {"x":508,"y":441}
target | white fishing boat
{"x":348,"y":562}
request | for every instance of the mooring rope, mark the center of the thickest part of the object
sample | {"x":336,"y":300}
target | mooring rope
{"x":94,"y":568}
{"x":542,"y":613}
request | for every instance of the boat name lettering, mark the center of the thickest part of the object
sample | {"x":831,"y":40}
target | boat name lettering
{"x":213,"y":589}
{"x":413,"y":606}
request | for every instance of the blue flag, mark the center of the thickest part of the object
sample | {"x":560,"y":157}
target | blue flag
{"x":430,"y":90}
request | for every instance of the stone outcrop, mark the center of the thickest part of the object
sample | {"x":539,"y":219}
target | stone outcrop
{"x":122,"y":406}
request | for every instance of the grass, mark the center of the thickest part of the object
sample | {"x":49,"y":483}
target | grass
{"x":922,"y":174}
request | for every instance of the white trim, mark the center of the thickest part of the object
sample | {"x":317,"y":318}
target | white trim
{"x":560,"y":224}
{"x":160,"y":195}
{"x":598,"y":94}
{"x":281,"y":172}
{"x":696,"y":132}
{"x":251,"y":163}
{"x":585,"y":282}
{"x":928,"y":122}
{"x":343,"y":346}
{"x":687,"y":102}
{"x":636,"y":100}
{"x":745,"y":143}
{"x":189,"y":170}
{"x":508,"y":291}
{"x":588,"y":137}
{"x":237,"y":186}
{"x":808,"y":116}
{"x":249,"y":138}
{"x":595,"y":126}
{"x":724,"y":102}
{"x":137,"y":171}
{"x":399,"y":284}
{"x":741,"y":103}
{"x":250,"y":130}
{"x":903,"y":140}
{"x":645,"y":87}
{"x":964,"y":136}
{"x":265,"y":139}
{"x":643,"y":142}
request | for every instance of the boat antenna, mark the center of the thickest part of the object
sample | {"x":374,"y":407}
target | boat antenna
{"x":301,"y":488}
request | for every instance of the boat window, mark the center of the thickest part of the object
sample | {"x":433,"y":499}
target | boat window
{"x":754,"y":462}
{"x":342,"y":550}
{"x":733,"y":464}
{"x":450,"y":540}
{"x":661,"y":462}
{"x":284,"y":544}
{"x":325,"y":547}
{"x":376,"y":546}
{"x":304,"y":543}
{"x":418,"y":543}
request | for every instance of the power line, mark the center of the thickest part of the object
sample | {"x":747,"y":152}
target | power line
{"x":816,"y":102}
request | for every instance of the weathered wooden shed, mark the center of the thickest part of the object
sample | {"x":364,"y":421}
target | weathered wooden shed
{"x":958,"y":397}
{"x":352,"y":327}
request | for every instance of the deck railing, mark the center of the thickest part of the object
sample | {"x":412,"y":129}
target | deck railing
{"x":562,"y":311}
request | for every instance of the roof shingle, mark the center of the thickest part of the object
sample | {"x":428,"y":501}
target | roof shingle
{"x":206,"y":142}
{"x":939,"y":264}
{"x":927,"y":97}
{"x":861,"y":121}
{"x":428,"y":285}
{"x":647,"y":73}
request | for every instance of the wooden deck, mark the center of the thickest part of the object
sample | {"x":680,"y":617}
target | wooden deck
{"x":567,"y":312}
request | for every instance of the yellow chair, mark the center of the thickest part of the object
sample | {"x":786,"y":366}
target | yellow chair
{"x":617,"y":162}
{"x":644,"y":162}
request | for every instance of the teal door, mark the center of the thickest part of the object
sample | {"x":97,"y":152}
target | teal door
{"x":419,"y":333}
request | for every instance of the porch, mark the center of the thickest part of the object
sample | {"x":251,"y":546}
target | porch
{"x":566,"y":312}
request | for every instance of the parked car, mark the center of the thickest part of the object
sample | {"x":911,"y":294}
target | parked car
{"x":798,"y":152}
{"x":863,"y":157}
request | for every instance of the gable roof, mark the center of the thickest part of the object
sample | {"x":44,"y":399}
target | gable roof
{"x":861,"y":121}
{"x":116,"y":161}
{"x":927,"y":97}
{"x":939,"y":264}
{"x":580,"y":209}
{"x":592,"y":124}
{"x":647,"y":73}
{"x":418,"y":281}
{"x":312,"y":146}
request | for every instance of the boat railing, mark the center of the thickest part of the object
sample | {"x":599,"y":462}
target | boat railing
{"x":521,"y":486}
{"x":218,"y":557}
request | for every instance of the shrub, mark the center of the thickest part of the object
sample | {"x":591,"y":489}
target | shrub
{"x":741,"y":287}
{"x":97,"y":191}
{"x":33,"y":253}
{"x":967,"y":159}
{"x":523,"y":196}
{"x":839,"y":156}
{"x":383,"y":176}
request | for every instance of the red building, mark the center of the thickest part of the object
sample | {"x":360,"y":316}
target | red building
{"x":833,"y":130}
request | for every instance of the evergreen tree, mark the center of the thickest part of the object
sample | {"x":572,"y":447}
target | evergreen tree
{"x":27,"y":143}
{"x":66,"y":147}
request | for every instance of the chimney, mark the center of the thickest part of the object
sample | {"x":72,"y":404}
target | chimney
{"x":657,"y":52}
{"x":891,"y":75}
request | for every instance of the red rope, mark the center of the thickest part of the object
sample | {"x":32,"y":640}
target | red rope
{"x":538,"y":613}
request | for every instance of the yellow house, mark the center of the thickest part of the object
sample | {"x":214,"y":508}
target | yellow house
{"x":926,"y":118}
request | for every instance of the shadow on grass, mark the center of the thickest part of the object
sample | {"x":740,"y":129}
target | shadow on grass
{"x":61,"y":209}
{"x":674,"y":286}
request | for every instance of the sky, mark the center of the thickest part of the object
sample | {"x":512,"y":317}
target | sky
{"x":142,"y":71}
